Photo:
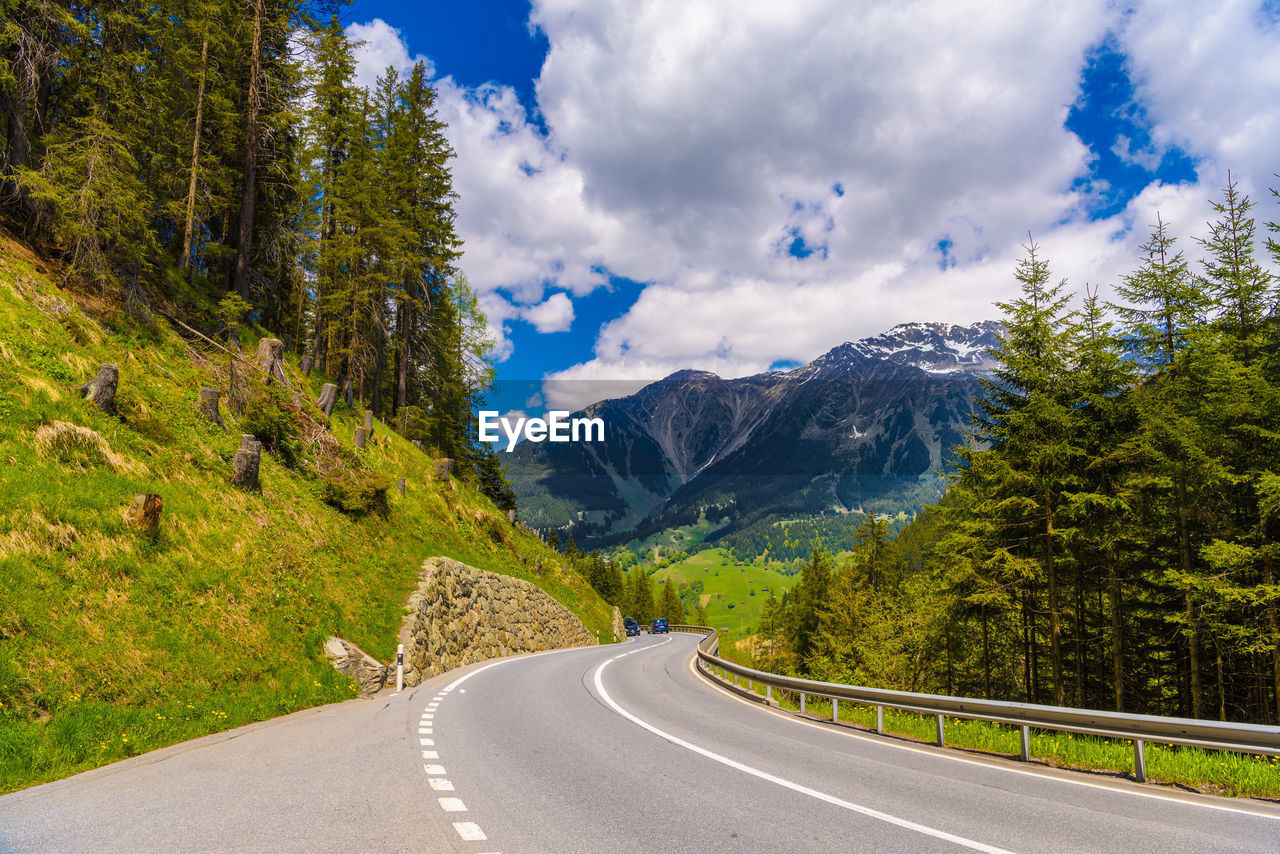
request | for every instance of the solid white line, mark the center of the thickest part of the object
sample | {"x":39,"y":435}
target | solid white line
{"x":786,"y":714}
{"x":469,"y":831}
{"x":795,"y":787}
{"x":452,"y":805}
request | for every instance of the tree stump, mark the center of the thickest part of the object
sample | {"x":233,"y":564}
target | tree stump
{"x":271,"y":359}
{"x":444,"y":468}
{"x":208,"y":405}
{"x":144,"y":514}
{"x":417,"y":443}
{"x":328,"y":397}
{"x":306,"y":365}
{"x":368,"y":422}
{"x":246,"y":463}
{"x":511,"y":516}
{"x":400,"y":486}
{"x":360,"y":435}
{"x":348,"y":392}
{"x":102,"y":388}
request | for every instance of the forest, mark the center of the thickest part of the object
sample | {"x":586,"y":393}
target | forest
{"x":1110,"y":537}
{"x":217,"y":162}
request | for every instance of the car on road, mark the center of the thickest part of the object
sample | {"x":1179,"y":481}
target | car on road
{"x":632,"y":627}
{"x":658,"y":625}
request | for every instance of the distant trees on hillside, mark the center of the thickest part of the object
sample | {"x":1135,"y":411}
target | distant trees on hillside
{"x":1110,"y":538}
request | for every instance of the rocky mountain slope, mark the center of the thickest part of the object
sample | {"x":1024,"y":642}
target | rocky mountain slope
{"x":866,"y":425}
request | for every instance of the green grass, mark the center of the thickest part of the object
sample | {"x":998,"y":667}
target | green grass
{"x":111,"y":643}
{"x":728,"y":588}
{"x":1217,"y":772}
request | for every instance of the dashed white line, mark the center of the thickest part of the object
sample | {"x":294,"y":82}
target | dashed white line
{"x":427,"y":742}
{"x":430,"y":754}
{"x":435,"y":770}
{"x":440,"y":785}
{"x":469,"y":831}
{"x":452,"y":805}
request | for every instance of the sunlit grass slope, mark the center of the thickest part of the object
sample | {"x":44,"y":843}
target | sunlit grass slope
{"x":112,"y":643}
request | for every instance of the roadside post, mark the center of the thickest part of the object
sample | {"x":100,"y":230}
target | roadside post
{"x":400,"y":667}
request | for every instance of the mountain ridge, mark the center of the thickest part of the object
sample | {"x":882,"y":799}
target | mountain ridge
{"x":865,"y":420}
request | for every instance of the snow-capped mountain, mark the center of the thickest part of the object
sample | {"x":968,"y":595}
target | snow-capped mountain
{"x":938,"y":348}
{"x":868,"y":421}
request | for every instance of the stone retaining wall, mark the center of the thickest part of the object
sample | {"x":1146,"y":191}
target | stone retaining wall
{"x":460,"y":615}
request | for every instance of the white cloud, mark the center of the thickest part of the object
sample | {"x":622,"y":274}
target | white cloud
{"x":378,"y":45}
{"x":555,"y":314}
{"x":687,"y":145}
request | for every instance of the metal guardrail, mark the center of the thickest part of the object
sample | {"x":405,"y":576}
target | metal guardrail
{"x":1213,"y":735}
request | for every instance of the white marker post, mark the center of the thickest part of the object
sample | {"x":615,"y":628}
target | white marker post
{"x":400,"y":667}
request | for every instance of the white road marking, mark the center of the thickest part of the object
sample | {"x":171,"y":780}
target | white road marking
{"x":1028,"y":772}
{"x":470,"y":831}
{"x":425,"y":730}
{"x":427,"y":742}
{"x":435,"y":770}
{"x":795,"y":787}
{"x":452,"y":805}
{"x":440,"y":785}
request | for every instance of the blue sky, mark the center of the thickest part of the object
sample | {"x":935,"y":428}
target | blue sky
{"x":645,"y":187}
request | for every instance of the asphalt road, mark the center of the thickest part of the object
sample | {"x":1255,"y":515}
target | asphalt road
{"x":599,"y":749}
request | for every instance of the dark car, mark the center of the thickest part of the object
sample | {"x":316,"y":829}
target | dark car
{"x":657,"y":625}
{"x":632,"y":627}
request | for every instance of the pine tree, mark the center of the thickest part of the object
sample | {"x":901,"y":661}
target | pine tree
{"x":1025,"y":420}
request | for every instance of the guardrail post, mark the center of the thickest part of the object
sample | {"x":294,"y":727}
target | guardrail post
{"x":1026,"y":744}
{"x":942,"y":742}
{"x":880,"y":719}
{"x":835,"y":710}
{"x":802,"y":702}
{"x":1139,"y":761}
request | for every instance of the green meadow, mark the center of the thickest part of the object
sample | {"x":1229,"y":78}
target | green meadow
{"x":734,"y":593}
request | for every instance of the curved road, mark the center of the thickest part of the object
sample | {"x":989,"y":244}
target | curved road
{"x":620,"y":748}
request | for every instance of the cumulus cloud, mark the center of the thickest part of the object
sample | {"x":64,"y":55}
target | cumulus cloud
{"x":378,"y":44}
{"x":699,"y":147}
{"x":554,"y":314}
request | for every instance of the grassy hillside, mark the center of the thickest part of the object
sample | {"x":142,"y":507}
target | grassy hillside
{"x":112,"y":643}
{"x":733,"y":595}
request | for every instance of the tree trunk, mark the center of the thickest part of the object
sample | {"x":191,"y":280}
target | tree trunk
{"x":986,"y":656}
{"x":245,"y":237}
{"x":189,"y":227}
{"x":1026,"y":648}
{"x":1184,"y":559}
{"x":1055,"y":618}
{"x":271,"y":360}
{"x":208,"y":405}
{"x":144,"y":514}
{"x":402,"y":370}
{"x":328,"y":397}
{"x":102,"y":388}
{"x":1117,"y":635}
{"x":246,"y":463}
